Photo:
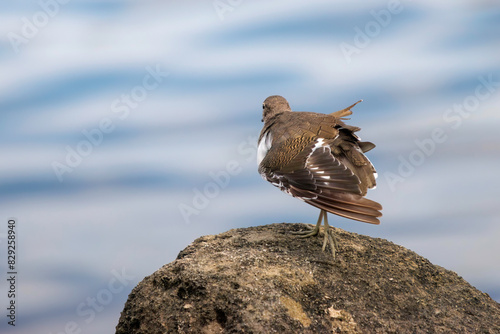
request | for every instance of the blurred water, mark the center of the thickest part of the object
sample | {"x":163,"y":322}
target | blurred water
{"x":116,"y":115}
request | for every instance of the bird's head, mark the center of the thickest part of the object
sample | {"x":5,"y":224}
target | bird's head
{"x":273,"y":106}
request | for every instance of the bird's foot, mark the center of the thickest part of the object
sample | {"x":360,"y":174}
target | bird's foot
{"x":307,"y":233}
{"x":329,"y":238}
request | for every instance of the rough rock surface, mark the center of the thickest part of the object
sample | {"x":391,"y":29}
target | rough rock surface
{"x":265,"y":280}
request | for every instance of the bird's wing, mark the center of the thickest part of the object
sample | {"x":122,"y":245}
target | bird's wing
{"x":349,"y":150}
{"x":319,"y":178}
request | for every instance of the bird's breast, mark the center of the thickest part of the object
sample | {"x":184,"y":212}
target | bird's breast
{"x":264,"y":146}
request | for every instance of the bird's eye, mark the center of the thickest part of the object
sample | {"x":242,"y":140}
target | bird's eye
{"x":263,"y":106}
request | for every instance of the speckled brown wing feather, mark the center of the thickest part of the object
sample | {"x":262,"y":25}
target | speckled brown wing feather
{"x":291,"y":133}
{"x":318,"y":178}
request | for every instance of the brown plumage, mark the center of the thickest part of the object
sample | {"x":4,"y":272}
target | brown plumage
{"x":318,"y":159}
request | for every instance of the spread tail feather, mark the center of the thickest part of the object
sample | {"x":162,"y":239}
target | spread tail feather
{"x":350,"y":206}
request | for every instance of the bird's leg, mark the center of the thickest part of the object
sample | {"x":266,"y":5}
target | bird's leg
{"x":329,"y":236}
{"x":314,"y":231}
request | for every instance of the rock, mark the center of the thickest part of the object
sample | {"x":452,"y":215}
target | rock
{"x":265,"y":280}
